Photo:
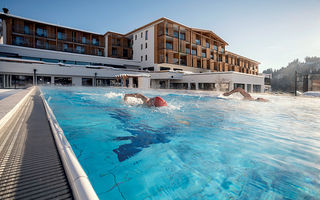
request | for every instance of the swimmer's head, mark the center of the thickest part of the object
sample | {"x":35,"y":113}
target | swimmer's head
{"x":157,"y":102}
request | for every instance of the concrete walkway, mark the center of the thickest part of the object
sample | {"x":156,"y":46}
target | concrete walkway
{"x":30,"y":166}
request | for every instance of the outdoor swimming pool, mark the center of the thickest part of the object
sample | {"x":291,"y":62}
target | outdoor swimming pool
{"x":201,"y":146}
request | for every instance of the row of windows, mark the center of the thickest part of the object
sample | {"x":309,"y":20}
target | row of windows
{"x":42,"y":32}
{"x":146,"y":35}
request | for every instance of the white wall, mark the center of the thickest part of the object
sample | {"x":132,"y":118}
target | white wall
{"x":149,"y":51}
{"x":76,"y":81}
{"x":144,"y":82}
{"x":41,"y":53}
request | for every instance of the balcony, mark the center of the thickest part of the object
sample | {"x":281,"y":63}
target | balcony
{"x":169,"y":46}
{"x":20,"y":30}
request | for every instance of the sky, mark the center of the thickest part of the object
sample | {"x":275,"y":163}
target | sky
{"x":273,"y":32}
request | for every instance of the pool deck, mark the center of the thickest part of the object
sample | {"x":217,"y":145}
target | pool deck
{"x":30,"y":165}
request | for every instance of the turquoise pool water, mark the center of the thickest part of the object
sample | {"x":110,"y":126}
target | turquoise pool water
{"x":202,"y":146}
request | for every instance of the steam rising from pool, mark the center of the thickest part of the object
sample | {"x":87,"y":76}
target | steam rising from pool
{"x":202,"y":146}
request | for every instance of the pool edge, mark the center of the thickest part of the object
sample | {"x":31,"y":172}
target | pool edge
{"x":78,"y":179}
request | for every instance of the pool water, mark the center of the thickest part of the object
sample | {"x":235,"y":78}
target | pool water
{"x":202,"y":146}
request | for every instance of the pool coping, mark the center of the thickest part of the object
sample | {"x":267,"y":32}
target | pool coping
{"x":21,"y":103}
{"x":78,"y":179}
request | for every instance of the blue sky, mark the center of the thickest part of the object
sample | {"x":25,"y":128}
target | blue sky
{"x":271,"y":32}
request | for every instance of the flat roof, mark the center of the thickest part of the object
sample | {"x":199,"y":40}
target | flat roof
{"x":50,"y":24}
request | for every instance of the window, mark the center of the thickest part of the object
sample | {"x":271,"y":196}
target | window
{"x":146,"y":35}
{"x":198,"y":41}
{"x":194,"y":52}
{"x":146,"y":57}
{"x":146,"y":45}
{"x":215,"y":47}
{"x":141,"y":46}
{"x":182,"y":36}
{"x":141,"y":58}
{"x":125,"y":52}
{"x":41,"y":32}
{"x":141,"y":34}
{"x":80,"y":49}
{"x":65,"y":47}
{"x":187,"y":50}
{"x":95,"y":41}
{"x":207,"y":44}
{"x":222,"y":50}
{"x":26,"y":29}
{"x":169,"y":46}
{"x":204,"y":55}
{"x":167,"y":32}
{"x":60,"y":36}
{"x":135,"y":37}
{"x":176,"y":34}
{"x":83,"y":40}
{"x":114,"y":51}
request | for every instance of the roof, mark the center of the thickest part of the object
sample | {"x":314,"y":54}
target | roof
{"x":234,"y":54}
{"x":3,"y":15}
{"x":209,"y":32}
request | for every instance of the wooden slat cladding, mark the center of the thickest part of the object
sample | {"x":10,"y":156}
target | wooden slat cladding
{"x":192,"y":39}
{"x":175,"y":44}
{"x":170,"y":29}
{"x":182,"y":46}
{"x":119,"y":46}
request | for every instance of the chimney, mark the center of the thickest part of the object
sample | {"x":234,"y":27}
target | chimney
{"x":5,"y":10}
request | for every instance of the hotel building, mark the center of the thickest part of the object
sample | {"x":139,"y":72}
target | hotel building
{"x":63,"y":55}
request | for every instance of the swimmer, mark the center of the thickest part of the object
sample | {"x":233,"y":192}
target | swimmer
{"x":245,"y":95}
{"x":150,"y":102}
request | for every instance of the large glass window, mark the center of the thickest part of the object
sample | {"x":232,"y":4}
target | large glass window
{"x":26,"y":29}
{"x":95,"y":41}
{"x":169,"y":46}
{"x":176,"y":34}
{"x":41,"y":32}
{"x":18,"y":41}
{"x":60,"y":36}
{"x":80,"y":49}
{"x":83,"y":40}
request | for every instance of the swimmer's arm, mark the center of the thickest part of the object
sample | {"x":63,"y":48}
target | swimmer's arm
{"x":136,"y":95}
{"x":241,"y":91}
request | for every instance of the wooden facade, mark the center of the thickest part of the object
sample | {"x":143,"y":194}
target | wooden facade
{"x":181,"y":45}
{"x":27,"y":33}
{"x":118,"y":46}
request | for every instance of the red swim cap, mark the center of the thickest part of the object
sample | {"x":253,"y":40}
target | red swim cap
{"x":158,"y":102}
